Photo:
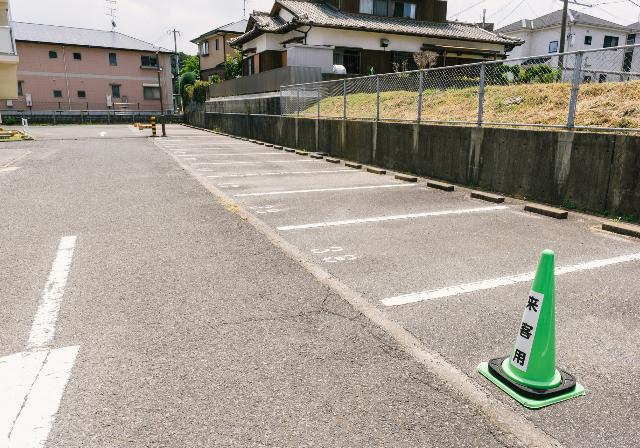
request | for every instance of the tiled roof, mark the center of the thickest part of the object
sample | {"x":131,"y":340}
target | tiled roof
{"x":323,"y":15}
{"x":235,"y":27}
{"x":62,"y":35}
{"x":555,"y":19}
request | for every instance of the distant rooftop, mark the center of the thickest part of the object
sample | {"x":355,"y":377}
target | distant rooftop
{"x":235,"y":27}
{"x":80,"y":37}
{"x":555,"y":19}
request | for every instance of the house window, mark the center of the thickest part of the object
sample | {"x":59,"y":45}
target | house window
{"x":602,"y":78}
{"x":587,"y":40}
{"x":149,"y":61}
{"x":405,"y":61}
{"x":628,"y":53}
{"x":112,"y":59}
{"x":151,"y":93}
{"x":349,"y":59}
{"x":115,"y":91}
{"x":587,"y":79}
{"x":251,"y":65}
{"x":82,"y":94}
{"x":19,"y":88}
{"x":403,"y":10}
{"x":553,"y":46}
{"x":610,"y":41}
{"x":375,"y":7}
{"x":53,"y":55}
{"x":77,"y":57}
{"x":57,"y":93}
{"x":204,"y":48}
{"x":217,"y":44}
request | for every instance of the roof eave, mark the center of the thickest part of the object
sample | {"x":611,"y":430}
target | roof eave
{"x":163,"y":51}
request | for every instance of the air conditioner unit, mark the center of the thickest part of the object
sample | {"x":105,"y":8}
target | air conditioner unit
{"x":9,"y":103}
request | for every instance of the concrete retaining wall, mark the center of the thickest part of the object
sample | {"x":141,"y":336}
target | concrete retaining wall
{"x":268,"y":105}
{"x":86,"y":117}
{"x":598,"y":171}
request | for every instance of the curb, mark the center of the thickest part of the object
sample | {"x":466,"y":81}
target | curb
{"x":622,"y":229}
{"x":376,"y":170}
{"x":487,"y":197}
{"x":406,"y":178}
{"x":330,"y":160}
{"x":440,"y":185}
{"x":353,"y":165}
{"x":546,"y":211}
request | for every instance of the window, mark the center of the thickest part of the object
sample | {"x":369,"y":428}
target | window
{"x":112,"y":59}
{"x":350,"y":59}
{"x":57,"y":93}
{"x":405,"y":61}
{"x":602,"y":78}
{"x":151,"y":93}
{"x":404,"y":10}
{"x":77,"y":57}
{"x":587,"y":79}
{"x":610,"y":41}
{"x":631,"y":39}
{"x":53,"y":55}
{"x":380,"y":8}
{"x":217,"y":44}
{"x":587,"y":40}
{"x":553,"y":46}
{"x":149,"y":61}
{"x":251,"y":65}
{"x":204,"y":48}
{"x":19,"y":88}
{"x":115,"y":91}
{"x":82,"y":94}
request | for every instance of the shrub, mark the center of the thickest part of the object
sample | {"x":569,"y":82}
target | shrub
{"x":9,"y":121}
{"x":215,"y":79}
{"x":186,"y":79}
{"x":233,"y":65}
{"x":200,"y":91}
{"x":187,"y":94}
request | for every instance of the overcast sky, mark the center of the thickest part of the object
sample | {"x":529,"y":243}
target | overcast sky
{"x":150,"y":20}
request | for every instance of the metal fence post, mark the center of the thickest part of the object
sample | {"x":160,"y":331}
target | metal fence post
{"x":481,"y":94}
{"x":420,"y":95}
{"x":344,"y":100}
{"x":318,"y":100}
{"x":298,"y":101}
{"x":377,"y":97}
{"x":577,"y":73}
{"x":281,"y":101}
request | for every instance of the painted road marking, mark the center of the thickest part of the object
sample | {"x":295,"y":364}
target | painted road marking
{"x":331,"y":249}
{"x":340,"y":258}
{"x":391,"y":218}
{"x":237,"y":154}
{"x":253,"y":163}
{"x":33,"y":382}
{"x":324,"y":189}
{"x":501,"y":281}
{"x":44,"y":324}
{"x":286,"y":172}
{"x":265,"y":209}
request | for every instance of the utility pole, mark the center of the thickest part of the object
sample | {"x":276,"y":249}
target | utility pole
{"x":175,"y":43}
{"x":164,"y":133}
{"x":563,"y":32}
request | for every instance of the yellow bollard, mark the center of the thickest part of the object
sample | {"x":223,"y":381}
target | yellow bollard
{"x":153,"y":126}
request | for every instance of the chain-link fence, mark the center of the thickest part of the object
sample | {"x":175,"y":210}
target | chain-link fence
{"x":594,"y":89}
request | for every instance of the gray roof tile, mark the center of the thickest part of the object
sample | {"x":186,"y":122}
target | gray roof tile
{"x":555,"y":18}
{"x":62,"y":35}
{"x":235,"y":27}
{"x":323,"y":15}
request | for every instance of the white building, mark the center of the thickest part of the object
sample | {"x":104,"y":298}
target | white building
{"x":584,"y":32}
{"x":362,"y":34}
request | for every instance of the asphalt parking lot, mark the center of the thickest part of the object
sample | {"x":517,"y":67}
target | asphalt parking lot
{"x":432,"y":262}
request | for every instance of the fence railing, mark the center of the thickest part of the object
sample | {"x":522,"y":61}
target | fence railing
{"x":269,"y":81}
{"x":594,"y":89}
{"x":21,"y":105}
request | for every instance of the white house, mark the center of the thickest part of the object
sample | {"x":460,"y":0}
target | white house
{"x":584,"y":32}
{"x":359,"y":34}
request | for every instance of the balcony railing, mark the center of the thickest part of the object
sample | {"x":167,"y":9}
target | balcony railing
{"x":7,"y":44}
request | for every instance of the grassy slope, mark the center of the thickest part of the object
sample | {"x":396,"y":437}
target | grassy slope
{"x":605,"y":105}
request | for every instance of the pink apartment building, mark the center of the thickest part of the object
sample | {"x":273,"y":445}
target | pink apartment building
{"x":64,"y":68}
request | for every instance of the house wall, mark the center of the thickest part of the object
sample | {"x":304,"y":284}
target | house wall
{"x":216,"y":57}
{"x":40,"y":76}
{"x":426,"y":10}
{"x":310,"y":56}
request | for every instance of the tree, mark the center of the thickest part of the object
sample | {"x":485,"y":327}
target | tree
{"x":200,"y":91}
{"x":192,"y":65}
{"x":186,"y":79}
{"x":182,"y":57}
{"x":215,"y":79}
{"x":425,"y":59}
{"x":233,"y":65}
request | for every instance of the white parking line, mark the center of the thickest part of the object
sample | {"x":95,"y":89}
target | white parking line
{"x":324,"y":189}
{"x":501,"y":281}
{"x":237,"y":154}
{"x":391,"y":218}
{"x":287,"y":172}
{"x":247,"y":163}
{"x":44,"y":324}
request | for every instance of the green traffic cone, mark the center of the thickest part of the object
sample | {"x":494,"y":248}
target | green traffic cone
{"x":529,"y":375}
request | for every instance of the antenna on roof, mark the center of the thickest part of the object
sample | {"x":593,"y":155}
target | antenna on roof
{"x":244,"y":8}
{"x":111,"y":6}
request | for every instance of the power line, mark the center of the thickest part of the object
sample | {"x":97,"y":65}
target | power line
{"x":514,"y":10}
{"x":470,"y":7}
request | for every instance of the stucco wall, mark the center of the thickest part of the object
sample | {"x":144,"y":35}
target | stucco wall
{"x":41,"y":75}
